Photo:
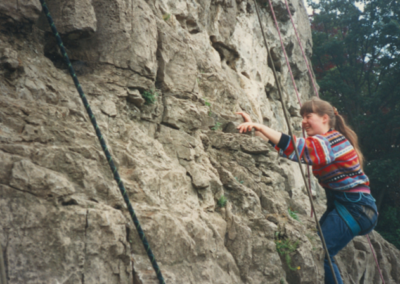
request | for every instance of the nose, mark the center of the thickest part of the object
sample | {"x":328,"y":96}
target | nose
{"x":304,"y":120}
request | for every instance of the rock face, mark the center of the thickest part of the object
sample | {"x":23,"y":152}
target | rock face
{"x":62,"y":218}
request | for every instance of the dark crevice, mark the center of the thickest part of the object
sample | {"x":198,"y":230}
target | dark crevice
{"x":5,"y":261}
{"x":128,"y":232}
{"x":87,"y":225}
{"x":362,"y":280}
{"x":84,"y":249}
{"x":227,"y":54}
{"x":118,"y":207}
{"x":170,"y":125}
{"x":246,"y":75}
{"x":159,"y":82}
{"x":192,"y":26}
{"x":25,"y":191}
{"x":69,"y":203}
{"x":276,"y":60}
{"x":136,"y":279}
{"x":249,"y":8}
{"x":194,"y":31}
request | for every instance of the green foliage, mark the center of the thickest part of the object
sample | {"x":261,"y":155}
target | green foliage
{"x":150,"y":96}
{"x":312,"y":240}
{"x":356,"y":59}
{"x":217,"y":126}
{"x":389,"y":224}
{"x":293,"y":214}
{"x":166,"y":17}
{"x":285,"y":248}
{"x":282,"y":281}
{"x":208,"y":104}
{"x":222,"y":201}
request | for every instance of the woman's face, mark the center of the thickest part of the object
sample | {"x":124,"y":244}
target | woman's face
{"x":314,"y":124}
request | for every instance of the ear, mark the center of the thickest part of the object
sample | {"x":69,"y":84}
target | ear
{"x":325,"y":119}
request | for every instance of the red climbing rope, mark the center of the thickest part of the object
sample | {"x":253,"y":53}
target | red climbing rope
{"x":284,"y":52}
{"x":376,"y":260}
{"x":278,"y":85}
{"x":294,"y":84}
{"x":302,"y":50}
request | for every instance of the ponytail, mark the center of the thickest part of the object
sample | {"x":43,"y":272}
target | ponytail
{"x":336,"y":121}
{"x":342,"y":127}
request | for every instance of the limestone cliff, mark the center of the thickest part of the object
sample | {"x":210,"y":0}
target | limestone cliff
{"x":62,"y":218}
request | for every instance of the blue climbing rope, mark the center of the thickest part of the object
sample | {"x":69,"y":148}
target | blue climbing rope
{"x":103,"y":145}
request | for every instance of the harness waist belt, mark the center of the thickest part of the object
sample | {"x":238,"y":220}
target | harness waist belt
{"x":348,"y":218}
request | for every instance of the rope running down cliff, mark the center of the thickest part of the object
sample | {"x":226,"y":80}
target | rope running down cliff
{"x":104,"y":146}
{"x":293,"y":82}
{"x":291,"y":135}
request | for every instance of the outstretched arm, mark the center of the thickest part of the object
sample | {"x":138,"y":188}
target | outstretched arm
{"x":273,"y":135}
{"x":247,"y":118}
{"x":314,"y":150}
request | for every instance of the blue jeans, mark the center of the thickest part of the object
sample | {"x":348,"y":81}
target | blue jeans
{"x":336,"y":232}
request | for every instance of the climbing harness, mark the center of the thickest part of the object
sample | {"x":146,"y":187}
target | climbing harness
{"x":348,"y":218}
{"x":292,"y":138}
{"x":103,"y":145}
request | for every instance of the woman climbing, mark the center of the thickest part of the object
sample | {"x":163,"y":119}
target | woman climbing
{"x":332,"y":150}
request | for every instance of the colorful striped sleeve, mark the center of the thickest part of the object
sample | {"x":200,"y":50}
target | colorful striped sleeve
{"x":313,"y":150}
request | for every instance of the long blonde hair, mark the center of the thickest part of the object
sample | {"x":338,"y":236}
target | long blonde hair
{"x":336,"y":121}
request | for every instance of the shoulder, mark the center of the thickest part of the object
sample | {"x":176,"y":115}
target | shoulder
{"x":320,"y":138}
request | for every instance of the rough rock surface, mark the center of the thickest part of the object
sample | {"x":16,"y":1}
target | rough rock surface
{"x":62,"y":218}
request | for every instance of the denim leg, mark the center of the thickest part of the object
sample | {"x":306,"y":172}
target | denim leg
{"x":337,"y":235}
{"x":324,"y":216}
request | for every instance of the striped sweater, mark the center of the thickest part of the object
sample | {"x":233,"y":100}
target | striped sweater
{"x":333,"y":159}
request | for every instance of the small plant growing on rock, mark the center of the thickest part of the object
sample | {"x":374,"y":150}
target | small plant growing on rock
{"x":150,"y":96}
{"x":216,"y":126}
{"x":222,"y":201}
{"x":293,"y":214}
{"x":207,"y":104}
{"x":311,"y":238}
{"x":285,"y":248}
{"x":166,"y":17}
